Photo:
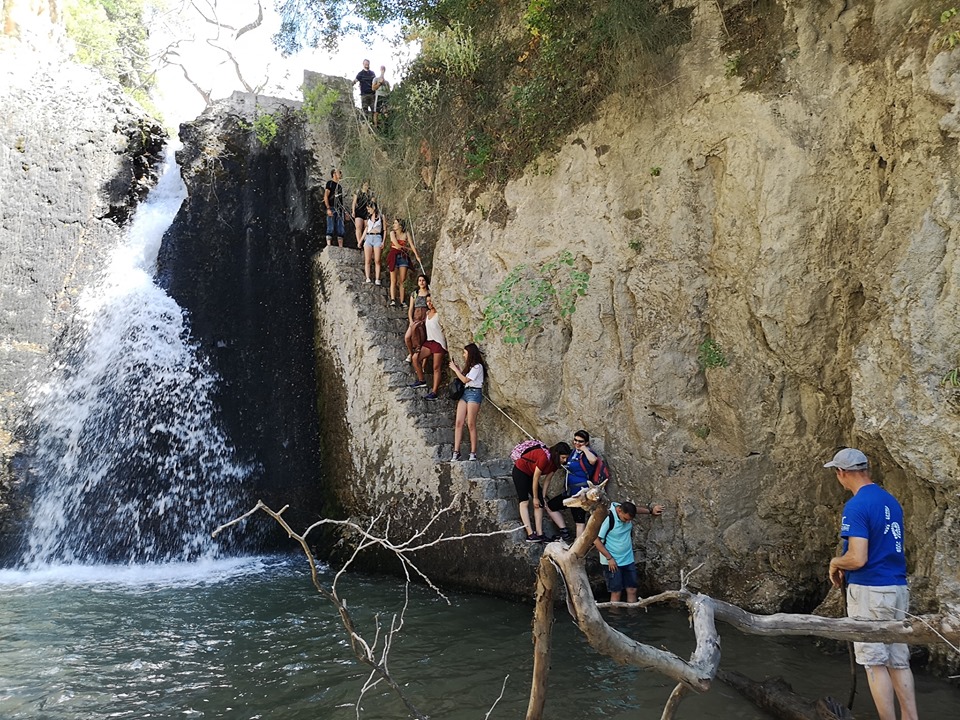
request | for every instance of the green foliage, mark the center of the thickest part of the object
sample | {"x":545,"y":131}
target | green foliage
{"x":111,"y":36}
{"x":951,"y":38}
{"x":710,"y":354}
{"x":498,"y":100}
{"x":702,"y":432}
{"x":265,"y":128}
{"x":655,"y":171}
{"x":476,"y":154}
{"x":528,"y":293}
{"x":452,"y":48}
{"x":951,"y":379}
{"x":636,"y":244}
{"x":733,"y":65}
{"x":318,"y":102}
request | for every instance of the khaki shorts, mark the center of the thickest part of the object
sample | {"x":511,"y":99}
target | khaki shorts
{"x":887,"y":602}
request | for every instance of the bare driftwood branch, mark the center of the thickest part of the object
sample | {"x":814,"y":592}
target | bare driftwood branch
{"x":374,"y":654}
{"x":253,"y":25}
{"x":913,"y":630}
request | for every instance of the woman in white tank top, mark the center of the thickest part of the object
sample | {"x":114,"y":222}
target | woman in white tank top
{"x":435,"y":347}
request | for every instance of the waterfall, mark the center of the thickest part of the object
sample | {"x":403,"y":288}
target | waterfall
{"x":129,"y":464}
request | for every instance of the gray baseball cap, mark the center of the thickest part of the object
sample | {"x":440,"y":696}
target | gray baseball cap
{"x":849,"y":459}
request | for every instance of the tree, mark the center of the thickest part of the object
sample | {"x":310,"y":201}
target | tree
{"x":321,"y":23}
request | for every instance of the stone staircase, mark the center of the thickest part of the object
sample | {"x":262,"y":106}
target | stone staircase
{"x":419,"y":432}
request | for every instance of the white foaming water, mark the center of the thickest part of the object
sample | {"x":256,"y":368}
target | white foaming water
{"x":130,"y":465}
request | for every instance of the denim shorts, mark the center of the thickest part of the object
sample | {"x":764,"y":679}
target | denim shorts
{"x":472,"y":395}
{"x":625,"y":576}
{"x":373,"y":241}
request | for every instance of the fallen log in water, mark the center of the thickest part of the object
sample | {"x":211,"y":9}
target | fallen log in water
{"x":777,"y":697}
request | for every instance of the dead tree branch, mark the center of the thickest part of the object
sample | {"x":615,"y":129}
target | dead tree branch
{"x":374,"y":654}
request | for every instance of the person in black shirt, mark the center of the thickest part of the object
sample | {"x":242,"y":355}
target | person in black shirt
{"x":333,"y":202}
{"x":367,"y":96}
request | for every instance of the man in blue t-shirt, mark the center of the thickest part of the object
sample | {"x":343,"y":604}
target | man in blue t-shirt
{"x":874,"y":567}
{"x":616,"y":548}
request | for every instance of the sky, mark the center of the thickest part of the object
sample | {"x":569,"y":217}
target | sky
{"x":260,"y":62}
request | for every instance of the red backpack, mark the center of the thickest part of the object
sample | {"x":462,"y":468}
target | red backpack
{"x":601,"y":471}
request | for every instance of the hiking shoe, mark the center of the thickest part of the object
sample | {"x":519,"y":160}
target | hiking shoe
{"x":473,"y":457}
{"x":393,"y":303}
{"x":566,"y":535}
{"x":418,"y":384}
{"x":534,"y":538}
{"x":430,"y":395}
{"x":456,"y":457}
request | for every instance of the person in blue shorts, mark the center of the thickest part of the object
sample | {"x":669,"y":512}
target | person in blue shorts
{"x":874,"y":567}
{"x":615,"y":544}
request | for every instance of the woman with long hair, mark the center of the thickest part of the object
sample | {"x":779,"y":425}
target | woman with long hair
{"x":435,"y":346}
{"x":416,"y":333}
{"x":372,"y":240}
{"x":398,"y":259}
{"x":361,"y":199}
{"x":531,"y":476}
{"x":472,"y":375}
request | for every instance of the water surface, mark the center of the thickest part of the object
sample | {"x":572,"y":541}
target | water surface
{"x":251,"y":639}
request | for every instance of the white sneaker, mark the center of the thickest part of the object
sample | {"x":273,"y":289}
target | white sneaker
{"x":473,"y":456}
{"x":409,"y":358}
{"x":367,"y":281}
{"x":376,"y":283}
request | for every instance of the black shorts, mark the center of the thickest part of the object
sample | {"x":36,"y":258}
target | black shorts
{"x":556,"y":504}
{"x":524,"y":485}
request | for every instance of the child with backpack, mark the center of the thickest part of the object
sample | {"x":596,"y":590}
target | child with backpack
{"x":615,"y":544}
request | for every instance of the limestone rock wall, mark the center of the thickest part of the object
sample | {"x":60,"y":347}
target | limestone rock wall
{"x":76,"y":155}
{"x":810,"y":227}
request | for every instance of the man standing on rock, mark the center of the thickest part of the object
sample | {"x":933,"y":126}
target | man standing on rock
{"x":365,"y":77}
{"x":874,"y":567}
{"x":333,"y":202}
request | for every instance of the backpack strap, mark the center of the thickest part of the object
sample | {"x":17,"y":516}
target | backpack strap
{"x":612,"y":523}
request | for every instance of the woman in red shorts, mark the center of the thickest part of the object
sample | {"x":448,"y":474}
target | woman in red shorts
{"x":398,"y":259}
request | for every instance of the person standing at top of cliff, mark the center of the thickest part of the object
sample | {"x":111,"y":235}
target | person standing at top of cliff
{"x":333,"y":202}
{"x":367,"y":97}
{"x":874,"y":567}
{"x":381,"y":90}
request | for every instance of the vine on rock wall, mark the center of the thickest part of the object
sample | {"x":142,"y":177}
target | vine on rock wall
{"x":529,"y":293}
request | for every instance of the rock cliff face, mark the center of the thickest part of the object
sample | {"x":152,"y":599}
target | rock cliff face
{"x":237,"y":258}
{"x":806,"y":222}
{"x":76,"y":156}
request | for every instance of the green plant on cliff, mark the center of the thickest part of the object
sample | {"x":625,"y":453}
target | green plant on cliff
{"x":497,"y":100}
{"x":950,"y":21}
{"x":318,"y":102}
{"x":711,"y":355}
{"x":265,"y":128}
{"x":528,"y":293}
{"x":951,"y":379}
